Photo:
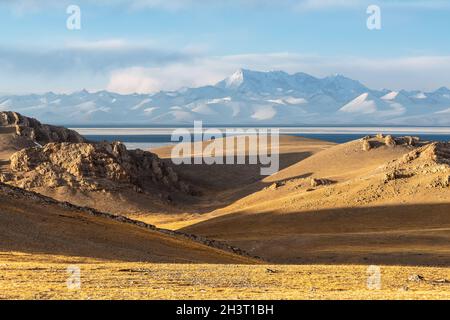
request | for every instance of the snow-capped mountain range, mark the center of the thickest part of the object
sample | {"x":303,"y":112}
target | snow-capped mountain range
{"x":244,"y":98}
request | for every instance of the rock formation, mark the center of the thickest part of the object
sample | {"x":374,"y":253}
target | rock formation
{"x":91,"y":167}
{"x":36,"y":131}
{"x":366,"y":146}
{"x":431,"y":162}
{"x":390,"y":141}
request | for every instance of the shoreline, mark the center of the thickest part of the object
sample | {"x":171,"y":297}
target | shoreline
{"x":283,"y":130}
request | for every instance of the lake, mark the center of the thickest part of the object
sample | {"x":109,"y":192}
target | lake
{"x":148,"y":138}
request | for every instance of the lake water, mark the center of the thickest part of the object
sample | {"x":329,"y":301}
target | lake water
{"x":148,"y":138}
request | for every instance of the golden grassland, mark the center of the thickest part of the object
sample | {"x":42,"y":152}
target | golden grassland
{"x":377,"y":209}
{"x":25,"y":276}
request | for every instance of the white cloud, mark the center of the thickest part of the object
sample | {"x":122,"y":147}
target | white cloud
{"x":129,"y":67}
{"x":311,"y":5}
{"x":108,"y":44}
{"x":170,"y":77}
{"x":133,"y":80}
{"x":264,"y":113}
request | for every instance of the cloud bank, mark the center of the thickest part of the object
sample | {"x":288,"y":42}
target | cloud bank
{"x":421,"y":72}
{"x":125,"y":67}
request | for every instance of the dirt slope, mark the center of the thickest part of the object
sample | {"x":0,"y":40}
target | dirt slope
{"x":223,"y":185}
{"x":30,"y":223}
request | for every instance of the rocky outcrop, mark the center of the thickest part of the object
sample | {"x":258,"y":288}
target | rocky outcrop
{"x":315,"y":182}
{"x":366,"y":145}
{"x":411,"y":141}
{"x":431,"y":162}
{"x":438,"y":152}
{"x":373,"y":142}
{"x":390,"y":141}
{"x":36,"y":131}
{"x":432,"y":153}
{"x":92,"y":167}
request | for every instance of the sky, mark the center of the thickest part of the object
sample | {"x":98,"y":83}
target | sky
{"x":145,"y":46}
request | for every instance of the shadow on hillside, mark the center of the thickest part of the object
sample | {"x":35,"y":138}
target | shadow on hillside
{"x":413,"y":235}
{"x":223,"y":184}
{"x":385,"y":235}
{"x":33,"y":226}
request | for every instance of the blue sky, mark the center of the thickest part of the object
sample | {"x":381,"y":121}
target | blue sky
{"x":151,"y":45}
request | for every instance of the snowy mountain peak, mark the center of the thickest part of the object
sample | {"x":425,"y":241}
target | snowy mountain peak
{"x":244,"y":97}
{"x":256,"y":81}
{"x":253,"y":80}
{"x":235,"y":80}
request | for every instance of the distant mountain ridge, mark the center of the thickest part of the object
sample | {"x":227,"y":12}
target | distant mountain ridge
{"x":245,"y":97}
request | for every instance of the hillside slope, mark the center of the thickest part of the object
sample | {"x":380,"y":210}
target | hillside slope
{"x":60,"y":163}
{"x":387,"y":205}
{"x":34,"y":224}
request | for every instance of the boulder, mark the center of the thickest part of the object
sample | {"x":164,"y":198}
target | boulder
{"x":366,"y":146}
{"x":389,"y":141}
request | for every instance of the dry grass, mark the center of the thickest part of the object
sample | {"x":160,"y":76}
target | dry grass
{"x":44,"y":277}
{"x":330,"y":232}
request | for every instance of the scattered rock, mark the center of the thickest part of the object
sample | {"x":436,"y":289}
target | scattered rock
{"x":271,"y":271}
{"x":416,"y":278}
{"x":411,"y":156}
{"x":390,"y":176}
{"x":274,"y":186}
{"x":380,"y":136}
{"x":440,"y":182}
{"x":394,"y":175}
{"x":404,"y":288}
{"x":446,"y":181}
